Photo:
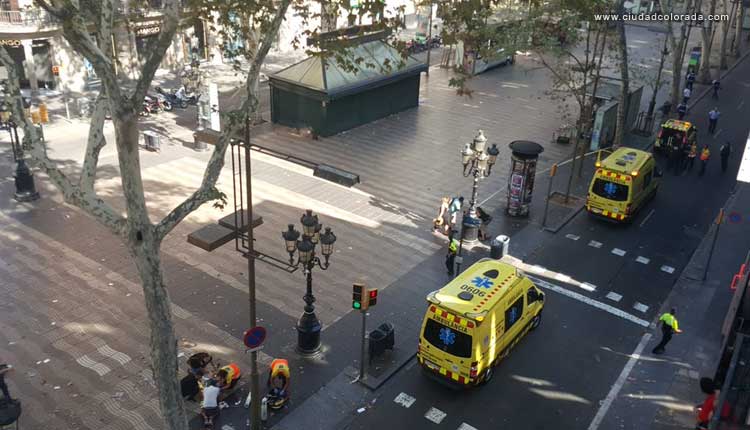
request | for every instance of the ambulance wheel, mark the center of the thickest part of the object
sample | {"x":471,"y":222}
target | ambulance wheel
{"x":536,"y":321}
{"x":488,"y":374}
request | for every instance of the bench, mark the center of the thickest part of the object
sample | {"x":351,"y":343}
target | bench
{"x":212,"y":236}
{"x":341,"y":177}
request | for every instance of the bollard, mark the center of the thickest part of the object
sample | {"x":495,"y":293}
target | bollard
{"x":499,"y":247}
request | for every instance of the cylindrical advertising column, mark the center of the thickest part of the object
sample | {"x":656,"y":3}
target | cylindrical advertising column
{"x":522,"y":171}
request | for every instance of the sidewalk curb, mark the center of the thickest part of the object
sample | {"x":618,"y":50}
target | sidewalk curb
{"x":564,"y":222}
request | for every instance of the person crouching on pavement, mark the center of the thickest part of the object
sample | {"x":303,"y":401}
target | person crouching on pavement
{"x":210,"y":406}
{"x":486,"y":219}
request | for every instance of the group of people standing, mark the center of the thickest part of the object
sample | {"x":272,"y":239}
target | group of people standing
{"x":682,"y":157}
{"x":447,"y":221}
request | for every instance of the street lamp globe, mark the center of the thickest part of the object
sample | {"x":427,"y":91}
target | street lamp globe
{"x":480,"y":142}
{"x":493,"y":152}
{"x":482,"y":162}
{"x":290,"y":238}
{"x":306,"y":250}
{"x":327,"y":240}
{"x":466,"y":154}
{"x":309,"y":223}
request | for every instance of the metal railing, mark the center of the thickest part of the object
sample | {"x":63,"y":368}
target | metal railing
{"x":25,"y":18}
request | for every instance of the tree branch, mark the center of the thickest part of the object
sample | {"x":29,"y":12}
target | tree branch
{"x":207,"y":190}
{"x":71,"y":193}
{"x":157,"y":50}
{"x":95,"y":143}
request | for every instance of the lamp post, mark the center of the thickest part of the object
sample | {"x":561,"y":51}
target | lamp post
{"x":25,"y":188}
{"x":477,"y":163}
{"x":309,"y":327}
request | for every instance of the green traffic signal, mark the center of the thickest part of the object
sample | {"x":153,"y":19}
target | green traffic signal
{"x":356,"y":305}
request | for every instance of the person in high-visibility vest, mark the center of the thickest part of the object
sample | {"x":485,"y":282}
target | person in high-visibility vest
{"x":278,"y":379}
{"x":228,"y":376}
{"x":450,"y":258}
{"x":669,"y":326}
{"x":705,"y":155}
{"x":691,"y":155}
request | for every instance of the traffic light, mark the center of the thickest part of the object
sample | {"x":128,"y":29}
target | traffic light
{"x":56,"y":70}
{"x":372,"y":297}
{"x":359,"y":292}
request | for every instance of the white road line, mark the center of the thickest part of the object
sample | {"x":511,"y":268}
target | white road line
{"x":589,"y":301}
{"x":647,"y":217}
{"x":640,"y":307}
{"x":718,"y":133}
{"x":435,"y":415}
{"x":404,"y":400}
{"x":739,"y":106}
{"x":620,"y":252}
{"x":613,"y":296}
{"x":588,"y":287}
{"x":595,"y":244}
{"x":642,"y":260}
{"x":465,"y":426}
{"x":668,"y":269}
{"x":607,"y":402}
{"x":572,"y":236}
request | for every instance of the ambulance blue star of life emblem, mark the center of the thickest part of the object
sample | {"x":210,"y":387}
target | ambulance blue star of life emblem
{"x":482,"y":282}
{"x":447,"y":336}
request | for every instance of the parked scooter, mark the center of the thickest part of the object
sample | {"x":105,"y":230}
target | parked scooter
{"x":157,"y":104}
{"x":180,"y":97}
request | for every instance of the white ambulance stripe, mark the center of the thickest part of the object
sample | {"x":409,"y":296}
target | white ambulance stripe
{"x":597,"y":304}
{"x":613,"y":296}
{"x":642,"y":260}
{"x":620,"y":252}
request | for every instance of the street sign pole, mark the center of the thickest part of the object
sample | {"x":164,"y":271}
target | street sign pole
{"x":362,"y":374}
{"x":552,"y":173}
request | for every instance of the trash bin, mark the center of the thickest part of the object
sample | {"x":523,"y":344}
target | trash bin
{"x":151,"y":141}
{"x":499,"y":247}
{"x":381,"y":338}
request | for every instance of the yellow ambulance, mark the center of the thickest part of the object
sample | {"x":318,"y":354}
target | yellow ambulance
{"x":622,"y":184}
{"x":474,"y":321}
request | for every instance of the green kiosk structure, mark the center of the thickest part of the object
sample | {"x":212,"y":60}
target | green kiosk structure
{"x":367,"y":80}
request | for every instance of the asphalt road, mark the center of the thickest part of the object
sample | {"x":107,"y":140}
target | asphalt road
{"x":557,"y":376}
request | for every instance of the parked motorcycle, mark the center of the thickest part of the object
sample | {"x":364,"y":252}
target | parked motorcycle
{"x":157,"y":104}
{"x":177,"y":98}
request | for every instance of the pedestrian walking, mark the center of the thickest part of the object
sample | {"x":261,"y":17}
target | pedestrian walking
{"x":724,"y":152}
{"x":692,"y":153}
{"x":690,"y":80}
{"x":454,"y":209}
{"x":681,"y":110}
{"x":666,"y":108}
{"x":686,"y":93}
{"x":5,"y":368}
{"x":713,"y":119}
{"x":669,"y":327}
{"x":450,"y":258}
{"x":441,"y":222}
{"x":705,"y":155}
{"x":716,"y":85}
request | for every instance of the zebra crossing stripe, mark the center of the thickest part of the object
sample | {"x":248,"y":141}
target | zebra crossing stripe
{"x":595,"y":244}
{"x":435,"y":415}
{"x":404,"y":400}
{"x":640,"y":307}
{"x":614,"y":296}
{"x":668,"y":269}
{"x":620,"y":252}
{"x":465,"y":426}
{"x":572,"y":236}
{"x":642,"y":260}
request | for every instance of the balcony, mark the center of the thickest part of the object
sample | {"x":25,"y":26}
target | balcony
{"x":26,"y":21}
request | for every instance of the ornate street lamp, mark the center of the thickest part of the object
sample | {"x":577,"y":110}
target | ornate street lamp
{"x":477,"y":160}
{"x":308,"y":327}
{"x":25,"y":187}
